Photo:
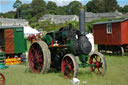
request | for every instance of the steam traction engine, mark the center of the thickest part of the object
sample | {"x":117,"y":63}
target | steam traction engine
{"x":59,"y":50}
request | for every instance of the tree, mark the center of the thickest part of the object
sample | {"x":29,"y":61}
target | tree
{"x":95,"y":6}
{"x":16,"y":5}
{"x":60,"y":11}
{"x":123,"y":9}
{"x":110,"y":5}
{"x":102,"y":6}
{"x":73,"y":7}
{"x":51,"y":7}
{"x":91,"y":7}
{"x":10,"y":14}
{"x":65,"y":9}
{"x":1,"y":15}
{"x":38,"y":8}
{"x":26,"y":11}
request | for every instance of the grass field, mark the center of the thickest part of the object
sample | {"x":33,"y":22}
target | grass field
{"x":117,"y":74}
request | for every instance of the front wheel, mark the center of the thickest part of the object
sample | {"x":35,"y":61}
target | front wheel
{"x":99,"y":61}
{"x":69,"y":66}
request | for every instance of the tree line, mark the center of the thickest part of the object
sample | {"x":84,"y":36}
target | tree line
{"x":37,"y":8}
{"x":100,"y":6}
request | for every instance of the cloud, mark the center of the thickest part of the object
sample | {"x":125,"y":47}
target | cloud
{"x":123,"y":2}
{"x":4,"y":2}
{"x":66,"y":2}
{"x":26,"y":1}
{"x":58,"y":2}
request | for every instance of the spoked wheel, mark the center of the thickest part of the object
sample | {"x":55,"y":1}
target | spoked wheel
{"x":120,"y":51}
{"x":99,"y":60}
{"x":38,"y":53}
{"x":2,"y":79}
{"x":69,"y":66}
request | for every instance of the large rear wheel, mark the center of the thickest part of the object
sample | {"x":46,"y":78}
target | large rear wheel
{"x":69,"y":66}
{"x":39,"y":57}
{"x":99,"y":61}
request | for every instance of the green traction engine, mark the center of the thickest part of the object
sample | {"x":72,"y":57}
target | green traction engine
{"x":61,"y":49}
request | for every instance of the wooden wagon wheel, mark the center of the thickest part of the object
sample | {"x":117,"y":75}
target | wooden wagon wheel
{"x":2,"y":79}
{"x":99,"y":60}
{"x":69,"y":66}
{"x":39,"y":57}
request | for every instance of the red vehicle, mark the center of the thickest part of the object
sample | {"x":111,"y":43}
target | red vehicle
{"x":112,"y":36}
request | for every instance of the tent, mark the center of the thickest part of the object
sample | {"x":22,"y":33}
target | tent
{"x":29,"y":30}
{"x":91,"y":39}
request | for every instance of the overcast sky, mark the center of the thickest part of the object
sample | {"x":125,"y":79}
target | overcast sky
{"x":7,"y":5}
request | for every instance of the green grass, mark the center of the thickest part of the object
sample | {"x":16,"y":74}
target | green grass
{"x":117,"y":74}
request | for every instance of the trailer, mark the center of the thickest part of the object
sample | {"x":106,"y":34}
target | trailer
{"x":112,"y":36}
{"x":12,"y":42}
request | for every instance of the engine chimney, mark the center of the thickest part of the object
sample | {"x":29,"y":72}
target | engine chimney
{"x":82,"y":21}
